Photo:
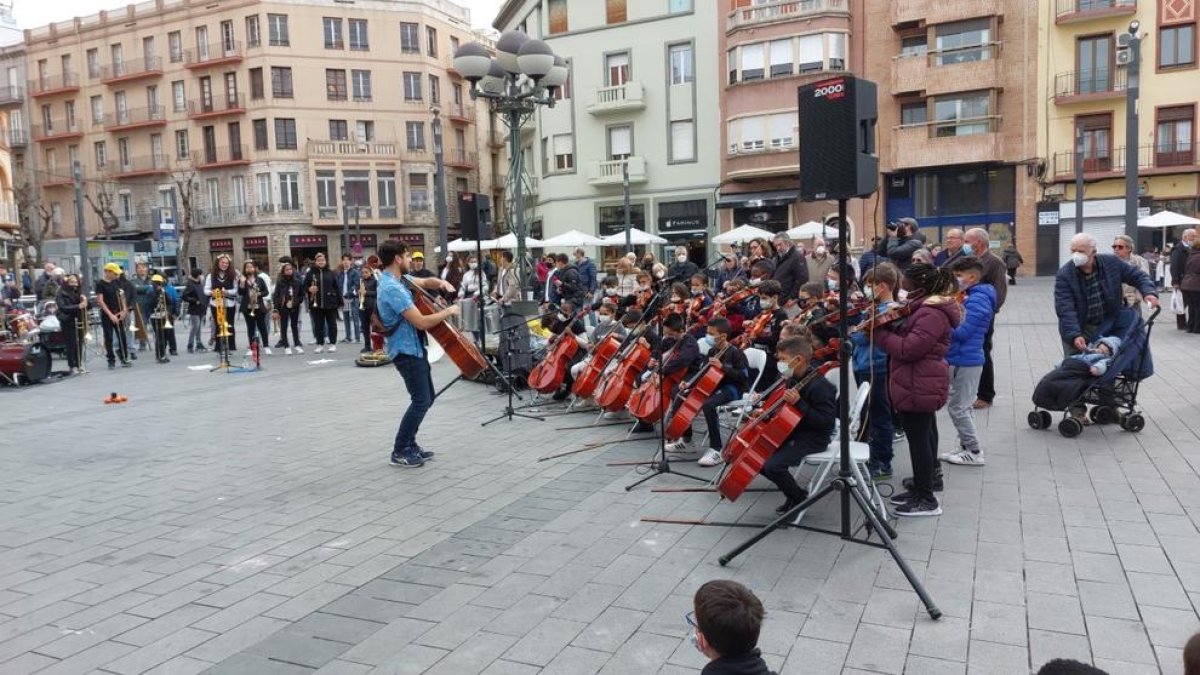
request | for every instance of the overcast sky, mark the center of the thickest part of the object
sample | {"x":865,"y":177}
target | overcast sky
{"x":34,"y":13}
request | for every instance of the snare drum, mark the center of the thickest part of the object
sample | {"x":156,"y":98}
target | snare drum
{"x":29,"y":362}
{"x":468,"y":315}
{"x":491,"y":319}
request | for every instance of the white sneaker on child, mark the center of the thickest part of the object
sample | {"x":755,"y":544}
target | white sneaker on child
{"x":964,"y":458}
{"x":711,"y":458}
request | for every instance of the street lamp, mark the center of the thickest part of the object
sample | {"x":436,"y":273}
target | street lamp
{"x":524,"y":74}
{"x":1133,"y":43}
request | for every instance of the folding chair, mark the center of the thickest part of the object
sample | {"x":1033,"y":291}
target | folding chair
{"x":757,"y":360}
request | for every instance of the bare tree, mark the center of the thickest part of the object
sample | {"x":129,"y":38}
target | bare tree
{"x":35,"y":218}
{"x":185,"y":192}
{"x":104,"y":204}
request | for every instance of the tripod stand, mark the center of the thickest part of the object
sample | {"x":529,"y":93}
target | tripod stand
{"x":506,"y":377}
{"x":845,"y":484}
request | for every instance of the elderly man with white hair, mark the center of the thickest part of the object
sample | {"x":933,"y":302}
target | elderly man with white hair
{"x":1088,"y":296}
{"x":1178,"y":262}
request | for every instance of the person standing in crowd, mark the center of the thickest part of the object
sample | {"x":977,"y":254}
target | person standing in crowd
{"x":508,"y":287}
{"x":1088,"y":297}
{"x":919,"y":379}
{"x":1177,"y":265}
{"x":419,"y":271}
{"x":872,"y":256}
{"x":173,"y":310}
{"x":158,"y":316}
{"x":223,"y":277}
{"x":474,"y":281}
{"x":952,"y":248}
{"x":542,"y":271}
{"x":366,"y":305}
{"x":648,"y":263}
{"x":978,"y":246}
{"x":588,"y":276}
{"x":904,"y":240}
{"x":347,"y":278}
{"x":72,"y":303}
{"x":966,"y":359}
{"x":627,"y":283}
{"x":193,"y":295}
{"x":324,"y":302}
{"x":1122,"y":247}
{"x":730,"y":270}
{"x":252,"y":291}
{"x":39,"y":284}
{"x":142,"y":289}
{"x":113,"y":310}
{"x":452,"y":273}
{"x":286,"y":303}
{"x":759,"y":249}
{"x":1012,"y":262}
{"x":871,"y":369}
{"x":819,"y":261}
{"x":566,"y":282}
{"x":791,"y":271}
{"x":1190,"y":286}
{"x":682,"y":269}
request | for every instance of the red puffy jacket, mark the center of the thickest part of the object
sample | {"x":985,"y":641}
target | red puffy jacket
{"x":918,"y":377}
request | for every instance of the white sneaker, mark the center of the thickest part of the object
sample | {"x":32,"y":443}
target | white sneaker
{"x":711,"y":458}
{"x":319,"y":349}
{"x":679,"y":445}
{"x":964,"y":458}
{"x":299,"y":349}
{"x":249,"y":353}
{"x":332,"y":348}
{"x":287,"y":351}
{"x":267,"y":351}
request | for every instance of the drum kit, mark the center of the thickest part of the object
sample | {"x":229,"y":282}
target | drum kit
{"x":24,"y":355}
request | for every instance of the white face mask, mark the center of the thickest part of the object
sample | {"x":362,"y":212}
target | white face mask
{"x":474,"y":266}
{"x":645,"y":287}
{"x":831,"y":284}
{"x":820,"y":250}
{"x":681,"y":258}
{"x":784,"y":367}
{"x":1079,"y":259}
{"x":869,"y":293}
{"x":755,"y":282}
{"x":766,"y":303}
{"x":604,"y":319}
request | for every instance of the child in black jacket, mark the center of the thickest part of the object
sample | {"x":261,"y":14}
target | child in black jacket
{"x":726,"y":620}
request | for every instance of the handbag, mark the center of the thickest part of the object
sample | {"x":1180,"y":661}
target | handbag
{"x":1177,"y":303}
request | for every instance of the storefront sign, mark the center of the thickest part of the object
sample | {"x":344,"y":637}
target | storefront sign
{"x":1048,"y":214}
{"x":688,"y":216}
{"x":254,"y":242}
{"x":308,"y":240}
{"x":220,"y":245}
{"x":367,"y":240}
{"x":410,"y":239}
{"x":611,"y":219}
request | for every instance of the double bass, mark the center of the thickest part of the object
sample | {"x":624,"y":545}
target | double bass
{"x":548,"y":375}
{"x":602,"y":354}
{"x":757,"y":439}
{"x":617,"y":386}
{"x":649,"y":400}
{"x":461,"y":350}
{"x":693,"y":393}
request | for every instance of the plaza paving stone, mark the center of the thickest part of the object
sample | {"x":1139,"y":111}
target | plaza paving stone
{"x":250,"y":523}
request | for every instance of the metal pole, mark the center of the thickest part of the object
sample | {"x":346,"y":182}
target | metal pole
{"x":439,"y":184}
{"x":357,"y":225}
{"x":345,"y":224}
{"x":516,"y":168}
{"x":628,"y":217}
{"x":1131,"y":132}
{"x":80,"y":229}
{"x":1078,"y":180}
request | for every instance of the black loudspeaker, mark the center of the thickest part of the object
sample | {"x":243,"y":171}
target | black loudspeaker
{"x":475,"y":216}
{"x":837,"y":139}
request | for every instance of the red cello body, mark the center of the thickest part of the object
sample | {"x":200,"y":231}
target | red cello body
{"x":585,"y":385}
{"x":615,"y":389}
{"x":548,"y":375}
{"x":694,"y":393}
{"x":461,"y":350}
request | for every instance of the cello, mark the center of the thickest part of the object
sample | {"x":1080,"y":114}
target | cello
{"x":648,"y":401}
{"x":548,"y":375}
{"x":693,"y":393}
{"x":585,"y":385}
{"x":757,"y":439}
{"x":617,"y":386}
{"x":461,"y":350}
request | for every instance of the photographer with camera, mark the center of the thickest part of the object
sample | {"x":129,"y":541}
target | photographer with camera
{"x":903,"y":240}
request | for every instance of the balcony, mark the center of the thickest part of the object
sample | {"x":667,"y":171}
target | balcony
{"x":220,"y":216}
{"x":137,"y":118}
{"x":140,"y":166}
{"x":67,"y":83}
{"x":351,"y":149}
{"x":1152,"y":160}
{"x":57,"y":130}
{"x":611,"y":172}
{"x":129,"y":71}
{"x":217,"y":158}
{"x":1075,"y":11}
{"x":1089,"y":85}
{"x":458,"y":158}
{"x":931,"y":12}
{"x":783,"y":10}
{"x":12,"y":95}
{"x":17,"y":138}
{"x":497,"y":138}
{"x":9,"y":215}
{"x":416,"y":154}
{"x":209,"y":108}
{"x":966,"y":141}
{"x":943,"y":72}
{"x":55,"y":178}
{"x":461,"y":113}
{"x":1094,"y":168}
{"x":217,"y":54}
{"x":419,"y":208}
{"x":617,"y":98}
{"x":278,"y":213}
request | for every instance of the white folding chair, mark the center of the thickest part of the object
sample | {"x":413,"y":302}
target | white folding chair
{"x":757,"y":360}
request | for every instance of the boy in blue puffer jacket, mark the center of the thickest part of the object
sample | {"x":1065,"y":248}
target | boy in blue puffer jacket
{"x":871,"y":366}
{"x":966,"y":358}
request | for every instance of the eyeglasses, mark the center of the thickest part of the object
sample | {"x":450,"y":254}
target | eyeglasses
{"x":690,"y":617}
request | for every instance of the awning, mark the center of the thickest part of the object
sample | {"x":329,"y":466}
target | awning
{"x":741,"y":200}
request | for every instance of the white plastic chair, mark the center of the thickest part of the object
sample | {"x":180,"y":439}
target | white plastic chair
{"x":757,"y":360}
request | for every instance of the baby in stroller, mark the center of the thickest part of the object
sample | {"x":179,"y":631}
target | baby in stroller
{"x":1100,"y":354}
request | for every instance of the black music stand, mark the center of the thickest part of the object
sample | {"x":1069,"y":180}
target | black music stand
{"x":506,"y":376}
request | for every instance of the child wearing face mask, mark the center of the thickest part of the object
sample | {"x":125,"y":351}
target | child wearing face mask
{"x":871,"y":370}
{"x":966,"y":358}
{"x":733,"y":384}
{"x":726,"y":620}
{"x":768,"y":339}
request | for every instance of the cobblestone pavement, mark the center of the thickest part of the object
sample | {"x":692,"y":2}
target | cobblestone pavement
{"x":249,"y":523}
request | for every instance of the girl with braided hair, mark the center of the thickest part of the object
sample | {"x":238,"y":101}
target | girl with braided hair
{"x":918,"y":377}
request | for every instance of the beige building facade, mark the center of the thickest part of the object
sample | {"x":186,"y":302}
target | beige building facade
{"x":268,"y":121}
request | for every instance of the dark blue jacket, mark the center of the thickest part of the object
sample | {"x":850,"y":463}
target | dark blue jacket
{"x":1070,"y":299}
{"x":587,"y":275}
{"x":966,"y":340}
{"x":868,"y":359}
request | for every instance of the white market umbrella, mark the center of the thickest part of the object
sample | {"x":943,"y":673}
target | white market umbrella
{"x":811,"y":230}
{"x":636,"y":237}
{"x":571,"y":239}
{"x":742,"y":234}
{"x":509,"y":241}
{"x":1165,"y":219}
{"x":457,"y":246}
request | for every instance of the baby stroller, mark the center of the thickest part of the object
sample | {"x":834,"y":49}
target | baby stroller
{"x":1112,"y":396}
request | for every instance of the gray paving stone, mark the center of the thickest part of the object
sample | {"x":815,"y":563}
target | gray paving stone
{"x":1110,"y":600}
{"x":993,"y":622}
{"x":1119,"y":640}
{"x":1046,"y":645}
{"x":879,"y":649}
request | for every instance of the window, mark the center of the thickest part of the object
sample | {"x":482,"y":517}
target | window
{"x":364,"y":130}
{"x":332,"y":28}
{"x":97,"y":110}
{"x":453,"y":45}
{"x":837,"y":51}
{"x":752,"y":63}
{"x":93,"y":63}
{"x":557,"y":13}
{"x":620,"y":142}
{"x":358,"y":35}
{"x":101,"y":150}
{"x":152,"y":97}
{"x":256,"y":83}
{"x":212,"y":193}
{"x":412,"y":86}
{"x":414,"y":135}
{"x":564,"y":152}
{"x":683,"y":64}
{"x":812,"y":53}
{"x":431,"y":41}
{"x":175,"y":46}
{"x":615,"y":11}
{"x":327,"y":203}
{"x":178,"y":96}
{"x":237,"y":189}
{"x":183,"y":145}
{"x":289,"y":191}
{"x":335,"y":84}
{"x":1174,"y":135}
{"x":912,"y":114}
{"x":263,"y":181}
{"x":339,"y":130}
{"x":357,"y":187}
{"x":963,"y":41}
{"x":747,"y":135}
{"x":285,"y":133}
{"x":202,"y":53}
{"x":1093,"y":64}
{"x":228,"y":43}
{"x":360,"y":81}
{"x":962,"y":114}
{"x":277,"y":30}
{"x":781,"y":57}
{"x":435,"y":90}
{"x":782,"y":131}
{"x":385,"y":187}
{"x":260,"y":134}
{"x":418,"y":192}
{"x":683,"y":141}
{"x":1177,"y":46}
{"x":124,"y":202}
{"x":69,"y":113}
{"x":123,"y":155}
{"x":914,"y":45}
{"x":679,"y":6}
{"x":617,"y":69}
{"x":122,"y":106}
{"x":1097,"y":141}
{"x":281,"y":82}
{"x":410,"y":41}
{"x":253,"y":34}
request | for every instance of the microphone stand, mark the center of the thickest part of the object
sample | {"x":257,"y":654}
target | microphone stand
{"x":509,"y":411}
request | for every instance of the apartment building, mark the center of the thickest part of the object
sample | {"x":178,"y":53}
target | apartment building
{"x":640,"y":98}
{"x":771,"y":48}
{"x":958,"y":115}
{"x":13,"y":140}
{"x":1082,"y":78}
{"x":268,"y":121}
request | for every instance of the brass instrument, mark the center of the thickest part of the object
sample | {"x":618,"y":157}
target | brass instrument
{"x":163,"y":312}
{"x":362,"y":292}
{"x":253,"y":294}
{"x":218,"y":296}
{"x":314,"y":291}
{"x":124,"y":306}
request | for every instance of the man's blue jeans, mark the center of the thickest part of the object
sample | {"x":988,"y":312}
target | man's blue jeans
{"x":417,"y":378}
{"x":879,"y":417}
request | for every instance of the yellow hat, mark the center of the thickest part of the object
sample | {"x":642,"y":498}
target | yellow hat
{"x":112,"y":267}
{"x":418,"y":256}
{"x":157,"y":278}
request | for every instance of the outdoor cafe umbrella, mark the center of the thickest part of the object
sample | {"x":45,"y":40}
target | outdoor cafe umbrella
{"x":571,"y":239}
{"x":1165,"y":219}
{"x":509,"y":241}
{"x":636,"y":237}
{"x":811,"y":230}
{"x":742,"y":234}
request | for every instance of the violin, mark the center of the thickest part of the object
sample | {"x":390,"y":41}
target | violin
{"x":617,"y":386}
{"x":855,"y":309}
{"x":759,"y":437}
{"x":548,"y":375}
{"x":643,"y":298}
{"x":602,"y":354}
{"x":693,"y":393}
{"x":648,"y":401}
{"x":751,"y":332}
{"x":461,"y":350}
{"x":897,"y":313}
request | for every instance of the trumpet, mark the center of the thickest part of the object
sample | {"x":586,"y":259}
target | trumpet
{"x":362,"y":293}
{"x":218,"y":295}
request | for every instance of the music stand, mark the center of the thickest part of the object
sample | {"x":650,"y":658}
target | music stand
{"x":506,"y":376}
